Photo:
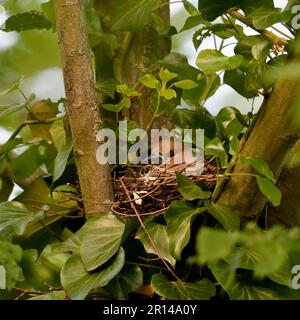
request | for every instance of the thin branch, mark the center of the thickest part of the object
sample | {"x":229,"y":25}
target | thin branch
{"x":146,"y":231}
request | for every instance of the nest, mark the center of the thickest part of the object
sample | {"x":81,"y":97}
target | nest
{"x":150,"y":189}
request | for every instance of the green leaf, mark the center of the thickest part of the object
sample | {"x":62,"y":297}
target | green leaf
{"x":168,"y":94}
{"x":160,"y":25}
{"x":149,"y":81}
{"x":128,"y":280}
{"x":26,"y":21}
{"x":213,"y":9}
{"x":189,"y":190}
{"x":27,"y":162}
{"x":126,"y":91}
{"x":180,"y":217}
{"x":10,"y":145}
{"x":78,"y":282}
{"x":178,"y":290}
{"x":48,"y":11}
{"x":109,"y":87}
{"x":216,"y":148}
{"x":214,"y":244}
{"x":100,"y":239}
{"x":53,"y":295}
{"x":112,"y":107}
{"x":17,"y":216}
{"x":267,"y":258}
{"x":269,"y":190}
{"x":238,"y":289}
{"x":227,"y":114}
{"x":10,"y":270}
{"x":133,"y":15}
{"x":58,"y":134}
{"x":61,"y":159}
{"x":165,"y":75}
{"x":262,"y":18}
{"x":186,"y":84}
{"x":211,"y":61}
{"x":72,"y":244}
{"x":237,"y":80}
{"x":178,"y":63}
{"x":196,"y":119}
{"x":259,"y":165}
{"x":225,"y":216}
{"x":159,"y":235}
{"x":192,"y":22}
{"x":189,"y":7}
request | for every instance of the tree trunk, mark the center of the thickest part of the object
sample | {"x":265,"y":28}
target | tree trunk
{"x":271,"y":138}
{"x":288,"y":213}
{"x":146,"y":48}
{"x":84,"y":119}
{"x":137,"y":55}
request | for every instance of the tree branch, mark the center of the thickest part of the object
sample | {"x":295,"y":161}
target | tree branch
{"x":84,"y":118}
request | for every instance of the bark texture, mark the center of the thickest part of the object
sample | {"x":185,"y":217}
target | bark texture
{"x":84,"y":118}
{"x":137,"y":55}
{"x":288,"y":213}
{"x":146,"y":48}
{"x":272,"y":137}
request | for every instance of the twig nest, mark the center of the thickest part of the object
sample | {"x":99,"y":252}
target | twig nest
{"x":152,"y":188}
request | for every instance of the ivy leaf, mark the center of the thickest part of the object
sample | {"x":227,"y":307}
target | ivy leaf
{"x":259,"y":165}
{"x":189,"y":7}
{"x":61,"y":159}
{"x":126,"y":91}
{"x":225,"y":216}
{"x":227,"y":114}
{"x":109,"y":87}
{"x":186,"y":84}
{"x":149,"y":81}
{"x":112,"y":107}
{"x":214,"y":244}
{"x":133,"y":15}
{"x":160,"y":25}
{"x":165,"y":75}
{"x":128,"y":280}
{"x":216,"y":148}
{"x":168,"y":94}
{"x":159,"y":235}
{"x":189,"y":190}
{"x":178,"y":63}
{"x":180,"y":217}
{"x":17,"y":216}
{"x":192,"y":21}
{"x":237,"y":80}
{"x":267,"y":258}
{"x":26,"y":21}
{"x":177,"y":290}
{"x":238,"y":289}
{"x":10,"y":145}
{"x":262,"y":18}
{"x":10,"y":270}
{"x":78,"y":282}
{"x":211,"y":61}
{"x":269,"y":190}
{"x":210,"y":10}
{"x":53,"y":295}
{"x":100,"y":239}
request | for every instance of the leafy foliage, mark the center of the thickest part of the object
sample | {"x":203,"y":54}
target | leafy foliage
{"x":44,"y":234}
